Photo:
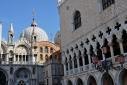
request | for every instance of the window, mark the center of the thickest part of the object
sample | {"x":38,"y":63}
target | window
{"x":41,"y":49}
{"x":77,"y":20}
{"x":107,"y":3}
{"x":51,"y":50}
{"x":41,"y":57}
{"x":46,"y":49}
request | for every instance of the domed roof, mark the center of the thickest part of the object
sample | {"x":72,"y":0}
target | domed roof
{"x":41,"y":35}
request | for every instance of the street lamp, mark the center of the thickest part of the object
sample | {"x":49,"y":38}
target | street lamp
{"x":106,"y":65}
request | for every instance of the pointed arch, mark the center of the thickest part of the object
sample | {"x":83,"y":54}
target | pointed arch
{"x":123,"y":77}
{"x":107,"y":79}
{"x":115,"y":45}
{"x":79,"y":81}
{"x":75,"y":61}
{"x":69,"y":82}
{"x":91,"y":81}
{"x":105,"y":44}
{"x":124,"y":40}
{"x":86,"y":57}
{"x":80,"y":59}
{"x":99,"y":51}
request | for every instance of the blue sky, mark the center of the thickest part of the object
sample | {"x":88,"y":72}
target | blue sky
{"x":19,"y":12}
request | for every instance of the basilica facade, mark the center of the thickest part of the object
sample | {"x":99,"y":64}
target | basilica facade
{"x":94,"y":41}
{"x":22,"y":62}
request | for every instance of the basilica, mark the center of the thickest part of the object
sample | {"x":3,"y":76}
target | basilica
{"x":24,"y":62}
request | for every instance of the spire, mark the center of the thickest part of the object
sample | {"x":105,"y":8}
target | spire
{"x":11,"y":30}
{"x":10,"y":34}
{"x":34,"y":24}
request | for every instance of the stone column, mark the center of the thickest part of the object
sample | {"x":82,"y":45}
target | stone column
{"x":121,"y":46}
{"x":73,"y":65}
{"x":78,"y":64}
{"x":111,"y":49}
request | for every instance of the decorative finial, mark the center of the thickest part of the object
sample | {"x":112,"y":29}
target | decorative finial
{"x":34,"y":24}
{"x":33,"y":13}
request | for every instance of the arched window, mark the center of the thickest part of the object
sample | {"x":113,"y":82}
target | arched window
{"x":115,"y":45}
{"x":41,"y":49}
{"x":124,"y":40}
{"x":41,"y":57}
{"x":108,"y":53}
{"x":77,"y":20}
{"x":46,"y":57}
{"x":46,"y":49}
{"x":51,"y":50}
{"x":80,"y":59}
{"x":86,"y":57}
{"x":99,"y":52}
{"x":75,"y":61}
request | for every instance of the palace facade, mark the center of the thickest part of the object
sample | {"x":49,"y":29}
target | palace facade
{"x":94,"y":41}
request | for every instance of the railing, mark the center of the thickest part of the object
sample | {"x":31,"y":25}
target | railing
{"x":17,"y":62}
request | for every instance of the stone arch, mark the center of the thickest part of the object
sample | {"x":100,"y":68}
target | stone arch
{"x":124,"y":40}
{"x":107,"y":79}
{"x":23,"y":47}
{"x":69,"y":82}
{"x":106,"y":44}
{"x":91,"y":81}
{"x":115,"y":45}
{"x":22,"y":74}
{"x":3,"y":77}
{"x":79,"y":81}
{"x":123,"y":77}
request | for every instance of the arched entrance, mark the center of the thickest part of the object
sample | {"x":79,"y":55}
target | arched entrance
{"x":123,"y":77}
{"x":79,"y":82}
{"x":69,"y":82}
{"x":3,"y":79}
{"x":22,"y":77}
{"x":91,"y":81}
{"x":107,"y":80}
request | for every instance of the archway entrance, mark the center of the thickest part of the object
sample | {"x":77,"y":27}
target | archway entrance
{"x":79,"y":82}
{"x":3,"y":78}
{"x":107,"y":80}
{"x":69,"y":83}
{"x":91,"y":81}
{"x":22,"y":77}
{"x":123,"y":77}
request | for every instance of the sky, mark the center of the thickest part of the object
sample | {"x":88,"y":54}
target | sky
{"x":19,"y":12}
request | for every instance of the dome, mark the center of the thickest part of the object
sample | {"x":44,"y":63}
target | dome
{"x":41,"y":35}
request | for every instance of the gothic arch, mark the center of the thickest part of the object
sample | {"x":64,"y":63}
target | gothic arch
{"x":79,"y":81}
{"x":107,"y":79}
{"x":3,"y":77}
{"x":123,"y":77}
{"x":91,"y":81}
{"x":22,"y":74}
{"x":115,"y":45}
{"x":69,"y":82}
